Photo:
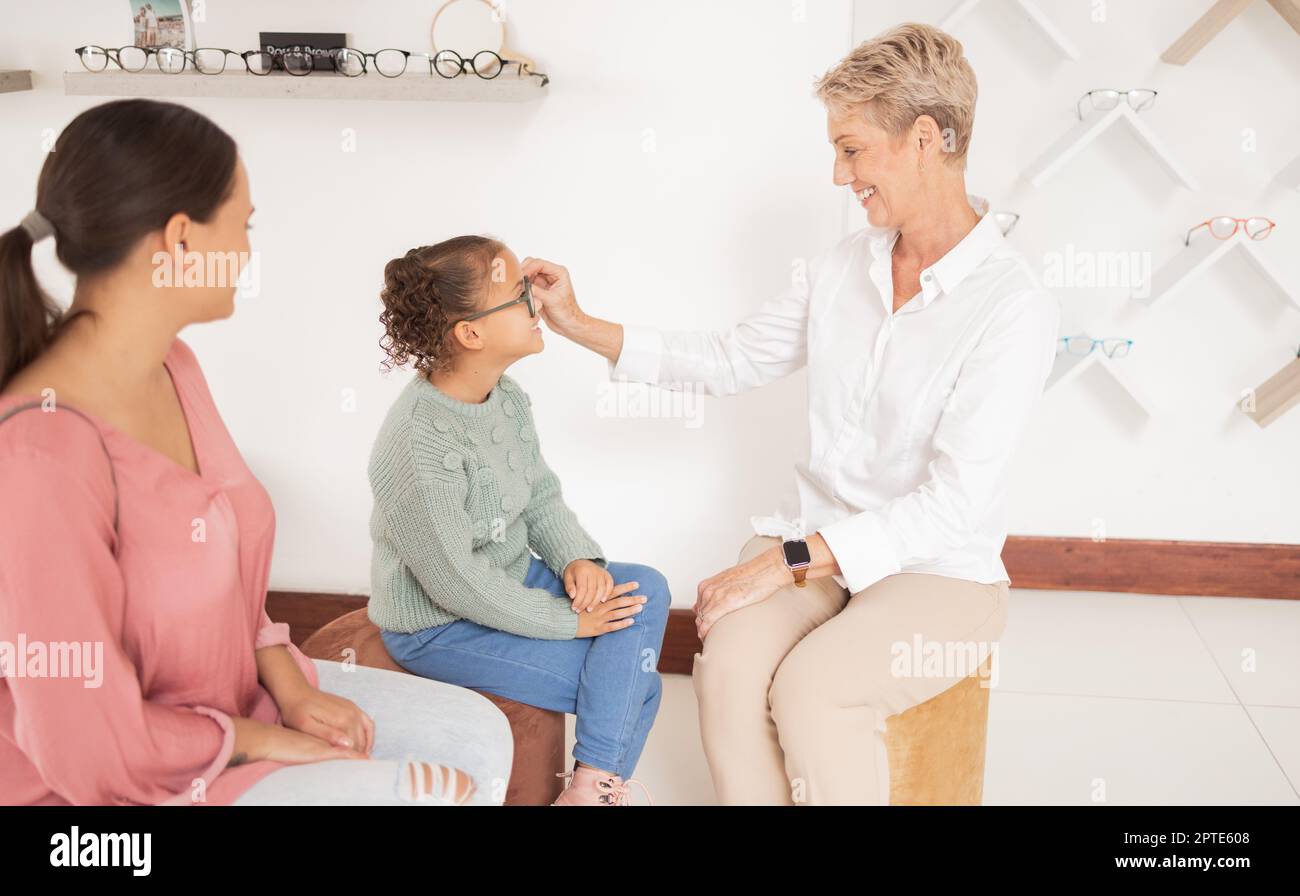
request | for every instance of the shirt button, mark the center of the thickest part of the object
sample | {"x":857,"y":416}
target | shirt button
{"x":927,"y":278}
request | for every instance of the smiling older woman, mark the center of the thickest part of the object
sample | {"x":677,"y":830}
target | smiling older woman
{"x":928,"y":342}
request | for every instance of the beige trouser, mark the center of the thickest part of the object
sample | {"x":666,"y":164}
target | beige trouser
{"x":794,"y":691}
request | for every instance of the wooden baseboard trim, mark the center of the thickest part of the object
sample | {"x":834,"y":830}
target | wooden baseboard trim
{"x":1207,"y":568}
{"x":1145,"y":566}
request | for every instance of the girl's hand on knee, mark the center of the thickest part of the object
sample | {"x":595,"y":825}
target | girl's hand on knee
{"x":611,"y":616}
{"x":587,"y":584}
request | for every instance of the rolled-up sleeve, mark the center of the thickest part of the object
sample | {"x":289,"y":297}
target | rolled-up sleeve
{"x":994,"y":397}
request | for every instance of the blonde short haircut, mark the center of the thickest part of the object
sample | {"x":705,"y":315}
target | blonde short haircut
{"x":908,"y":71}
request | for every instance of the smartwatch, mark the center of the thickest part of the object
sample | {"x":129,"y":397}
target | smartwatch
{"x":797,"y":559}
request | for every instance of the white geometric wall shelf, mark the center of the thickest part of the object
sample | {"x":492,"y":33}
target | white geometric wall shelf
{"x":1031,"y":9}
{"x":1204,"y":252}
{"x":1078,"y":137}
{"x":1289,"y":176}
{"x":1215,"y":20}
{"x":1068,"y":367}
{"x":416,"y":87}
{"x":1277,"y":395}
{"x":13,"y":81}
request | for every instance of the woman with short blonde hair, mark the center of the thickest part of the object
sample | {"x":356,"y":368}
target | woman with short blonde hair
{"x":928,"y":342}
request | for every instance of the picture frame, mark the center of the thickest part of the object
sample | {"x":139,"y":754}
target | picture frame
{"x":161,"y":23}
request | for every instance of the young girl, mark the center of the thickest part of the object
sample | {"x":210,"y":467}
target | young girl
{"x":462,"y":492}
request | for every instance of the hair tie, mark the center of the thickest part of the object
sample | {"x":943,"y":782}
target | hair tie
{"x":38,"y":226}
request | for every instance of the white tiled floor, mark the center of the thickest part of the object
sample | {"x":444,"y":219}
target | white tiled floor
{"x":1123,"y":699}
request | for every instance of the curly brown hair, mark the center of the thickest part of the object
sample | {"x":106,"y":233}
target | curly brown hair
{"x":425,"y":292}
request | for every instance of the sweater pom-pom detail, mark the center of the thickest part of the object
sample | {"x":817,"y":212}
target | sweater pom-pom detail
{"x":453,"y":460}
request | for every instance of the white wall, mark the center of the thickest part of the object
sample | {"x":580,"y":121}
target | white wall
{"x":1197,"y":468}
{"x":679,"y":168}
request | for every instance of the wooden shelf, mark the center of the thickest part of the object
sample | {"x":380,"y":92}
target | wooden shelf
{"x":1073,"y":141}
{"x":1218,"y":16}
{"x":13,"y":81}
{"x":1277,"y":395}
{"x":1031,"y":9}
{"x":415,"y":87}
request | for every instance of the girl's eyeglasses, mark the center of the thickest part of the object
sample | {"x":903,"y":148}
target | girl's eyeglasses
{"x":526,"y":297}
{"x":1222,"y":227}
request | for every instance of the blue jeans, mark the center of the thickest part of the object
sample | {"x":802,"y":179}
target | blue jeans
{"x":610,"y":682}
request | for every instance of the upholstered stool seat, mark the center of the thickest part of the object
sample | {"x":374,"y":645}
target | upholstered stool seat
{"x":936,"y":749}
{"x":538,"y":733}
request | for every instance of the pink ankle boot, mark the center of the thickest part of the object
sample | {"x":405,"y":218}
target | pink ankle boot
{"x":589,"y":787}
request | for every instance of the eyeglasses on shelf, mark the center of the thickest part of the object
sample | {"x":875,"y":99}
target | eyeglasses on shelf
{"x":1139,"y":99}
{"x":131,"y":58}
{"x":1112,"y":346}
{"x":1222,"y":227}
{"x":299,"y":61}
{"x":485,"y":63}
{"x":173,"y":60}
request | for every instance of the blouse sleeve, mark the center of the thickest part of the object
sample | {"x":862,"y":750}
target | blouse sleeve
{"x":92,"y":735}
{"x":271,"y":634}
{"x":770,"y":343}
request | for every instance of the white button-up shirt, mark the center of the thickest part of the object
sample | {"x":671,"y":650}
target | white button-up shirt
{"x":914,"y":414}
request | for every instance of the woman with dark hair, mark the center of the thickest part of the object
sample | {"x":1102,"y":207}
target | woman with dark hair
{"x":135,"y":544}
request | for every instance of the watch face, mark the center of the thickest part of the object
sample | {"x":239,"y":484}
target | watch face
{"x":796,"y":553}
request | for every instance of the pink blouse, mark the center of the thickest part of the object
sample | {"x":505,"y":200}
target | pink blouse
{"x":179,"y":609}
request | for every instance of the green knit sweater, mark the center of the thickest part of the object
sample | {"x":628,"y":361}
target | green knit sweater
{"x":461,"y":494}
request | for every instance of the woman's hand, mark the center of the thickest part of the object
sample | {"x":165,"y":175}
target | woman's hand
{"x":748,"y":583}
{"x":554,"y":291}
{"x":588,"y":584}
{"x":255,"y":741}
{"x":330,"y":718}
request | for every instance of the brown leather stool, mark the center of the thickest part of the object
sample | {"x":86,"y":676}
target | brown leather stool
{"x":936,"y":749}
{"x":538,"y":733}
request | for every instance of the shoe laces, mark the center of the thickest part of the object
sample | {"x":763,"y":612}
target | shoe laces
{"x":613,"y":792}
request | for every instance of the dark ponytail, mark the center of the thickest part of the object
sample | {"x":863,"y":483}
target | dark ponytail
{"x":118,"y":172}
{"x":27,"y":314}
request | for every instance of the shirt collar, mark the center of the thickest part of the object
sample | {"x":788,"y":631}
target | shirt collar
{"x":948,"y":272}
